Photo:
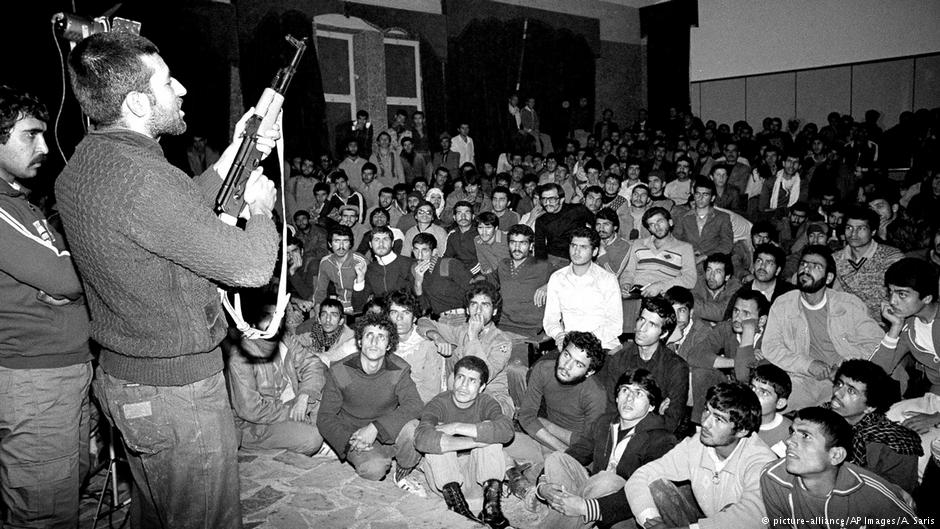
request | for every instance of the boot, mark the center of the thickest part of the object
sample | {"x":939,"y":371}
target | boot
{"x":492,"y":513}
{"x":455,"y":501}
{"x":518,"y":483}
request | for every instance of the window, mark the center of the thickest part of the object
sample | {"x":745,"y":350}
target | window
{"x":402,"y":73}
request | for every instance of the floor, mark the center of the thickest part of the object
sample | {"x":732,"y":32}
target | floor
{"x":284,"y":490}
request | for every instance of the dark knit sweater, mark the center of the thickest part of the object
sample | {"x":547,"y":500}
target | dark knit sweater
{"x":37,"y":332}
{"x":151,"y":253}
{"x":492,"y":426}
{"x":551,"y":229}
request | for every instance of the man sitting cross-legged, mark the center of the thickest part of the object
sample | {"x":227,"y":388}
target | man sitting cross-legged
{"x":370,"y":404}
{"x":723,"y":463}
{"x":816,"y":482}
{"x":584,"y":484}
{"x":461,"y":434}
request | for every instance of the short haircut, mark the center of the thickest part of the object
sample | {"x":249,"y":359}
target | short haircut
{"x":800,"y":206}
{"x":822,"y":251}
{"x":550,"y":186}
{"x":378,"y":211}
{"x":739,"y":402}
{"x":591,"y":346}
{"x":335,"y":303}
{"x":375,"y":303}
{"x":775,"y":377}
{"x":321,"y":186}
{"x":425,"y":238}
{"x":381,"y":321}
{"x":488,"y":218}
{"x":339,"y":174}
{"x":765,"y":226}
{"x":463,"y":204}
{"x":501,"y":189}
{"x":521,"y":229}
{"x":16,"y":105}
{"x":647,"y":383}
{"x":869,"y":216}
{"x":722,"y":259}
{"x":836,"y":430}
{"x":880,"y":391}
{"x":610,"y":216}
{"x":685,"y":159}
{"x":104,"y":68}
{"x":301,"y":213}
{"x":780,"y":257}
{"x":593,"y":164}
{"x":362,"y":114}
{"x":707,"y":183}
{"x":586,"y":233}
{"x":763,"y":306}
{"x":677,"y":295}
{"x":913,"y":273}
{"x":596,"y":190}
{"x":476,"y":364}
{"x":405,"y":298}
{"x":656,"y":210}
{"x":887,"y":193}
{"x":663,"y":308}
{"x":369,"y":166}
{"x":341,"y":231}
{"x":382,"y":230}
{"x":488,"y":289}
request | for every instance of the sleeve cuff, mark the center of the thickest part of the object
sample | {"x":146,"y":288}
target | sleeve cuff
{"x":359,"y":286}
{"x":646,"y":515}
{"x":593,"y":511}
{"x":889,"y":342}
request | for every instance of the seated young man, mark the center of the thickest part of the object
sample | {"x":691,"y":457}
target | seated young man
{"x":862,"y":393}
{"x":572,"y":398}
{"x":370,"y":405}
{"x":715,"y":289}
{"x":427,"y":365}
{"x":478,"y":337}
{"x":772,"y":386}
{"x":440,"y":282}
{"x":815,"y":481}
{"x":911,"y":310}
{"x":584,"y":484}
{"x":343,"y":268}
{"x":461,"y":434}
{"x":647,"y":351}
{"x":723,"y":463}
{"x":275,"y":387}
{"x":328,"y":336}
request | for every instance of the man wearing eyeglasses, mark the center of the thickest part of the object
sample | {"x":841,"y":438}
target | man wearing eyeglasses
{"x":552,"y":226}
{"x":813,"y":329}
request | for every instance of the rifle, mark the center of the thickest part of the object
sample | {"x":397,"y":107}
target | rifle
{"x":231,"y":198}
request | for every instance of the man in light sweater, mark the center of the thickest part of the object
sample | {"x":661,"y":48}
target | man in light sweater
{"x":723,"y":463}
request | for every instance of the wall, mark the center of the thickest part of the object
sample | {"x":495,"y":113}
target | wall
{"x":890,"y":86}
{"x":747,"y":37}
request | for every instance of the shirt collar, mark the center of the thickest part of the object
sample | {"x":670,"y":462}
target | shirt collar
{"x":386,"y":260}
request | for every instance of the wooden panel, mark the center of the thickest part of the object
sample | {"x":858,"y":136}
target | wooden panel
{"x":723,"y":101}
{"x":819,"y":92}
{"x":770,"y":96}
{"x":927,"y":82}
{"x":883,"y":86}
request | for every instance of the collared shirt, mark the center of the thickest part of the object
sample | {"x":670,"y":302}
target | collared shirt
{"x":589,"y":303}
{"x":491,"y":252}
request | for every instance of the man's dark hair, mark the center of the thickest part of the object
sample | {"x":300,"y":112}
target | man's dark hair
{"x":335,"y":303}
{"x":369,"y":166}
{"x":342,"y":231}
{"x":488,"y":289}
{"x":301,"y":213}
{"x":381,"y":321}
{"x":647,"y":383}
{"x":824,"y":252}
{"x":765,"y":226}
{"x":763,"y":306}
{"x":610,"y":216}
{"x":476,"y":364}
{"x":869,"y":216}
{"x":772,"y":250}
{"x":707,"y":183}
{"x":586,"y":233}
{"x":651,"y":212}
{"x":362,"y":114}
{"x":880,"y":391}
{"x":677,"y":295}
{"x":739,"y":402}
{"x":321,"y":186}
{"x":425,"y":238}
{"x":405,"y":298}
{"x":596,"y":190}
{"x":501,"y":189}
{"x":463,"y":204}
{"x":488,"y":218}
{"x":104,"y":68}
{"x":16,"y":105}
{"x":378,"y":230}
{"x":591,"y":346}
{"x":722,"y":259}
{"x":549,"y":186}
{"x":338,"y":174}
{"x":888,"y":193}
{"x":913,"y":273}
{"x":663,"y":308}
{"x":593,"y":164}
{"x":378,"y":211}
{"x":774,"y":376}
{"x":521,"y":229}
{"x":837,"y":431}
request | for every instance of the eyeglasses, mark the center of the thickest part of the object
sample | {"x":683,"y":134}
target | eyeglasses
{"x":551,"y":199}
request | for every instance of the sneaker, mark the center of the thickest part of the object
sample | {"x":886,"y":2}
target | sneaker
{"x":326,"y":451}
{"x":412,"y":486}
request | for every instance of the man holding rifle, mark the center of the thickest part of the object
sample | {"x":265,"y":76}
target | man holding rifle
{"x":152,"y":253}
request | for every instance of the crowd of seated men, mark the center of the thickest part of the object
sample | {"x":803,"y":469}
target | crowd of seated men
{"x":661,"y":324}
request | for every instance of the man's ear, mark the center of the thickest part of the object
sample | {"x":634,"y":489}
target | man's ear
{"x":781,"y":404}
{"x":837,"y":455}
{"x":137,"y":103}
